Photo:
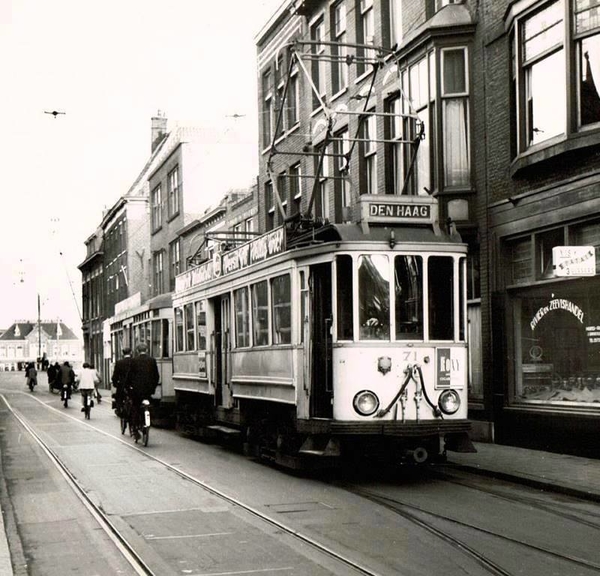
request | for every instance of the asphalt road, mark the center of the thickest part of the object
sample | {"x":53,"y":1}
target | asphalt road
{"x":385,"y":523}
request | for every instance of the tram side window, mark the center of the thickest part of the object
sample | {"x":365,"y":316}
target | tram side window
{"x":160,"y":339}
{"x":408,"y":283}
{"x":201,"y":324}
{"x":179,"y":329}
{"x":282,"y":309}
{"x":374,"y":297}
{"x":260,"y":313}
{"x":441,"y":297}
{"x":345,"y":297}
{"x":156,"y":340}
{"x":190,"y":329}
{"x":242,"y":318}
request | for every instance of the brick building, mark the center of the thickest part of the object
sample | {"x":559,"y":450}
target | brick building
{"x":497,"y":103}
{"x":539,"y":118}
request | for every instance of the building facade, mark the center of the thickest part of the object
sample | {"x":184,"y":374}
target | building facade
{"x":26,"y":341}
{"x":92,"y":298}
{"x":542,"y":118}
{"x":494,"y":108}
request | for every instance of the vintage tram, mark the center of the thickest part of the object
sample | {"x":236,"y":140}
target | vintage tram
{"x":150,"y":323}
{"x":319,"y":340}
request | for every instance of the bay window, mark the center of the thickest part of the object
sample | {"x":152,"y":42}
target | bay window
{"x":455,"y":117}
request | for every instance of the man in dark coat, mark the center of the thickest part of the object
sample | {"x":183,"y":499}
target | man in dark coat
{"x":120,"y":378}
{"x":52,"y":369}
{"x":143,"y":380}
{"x":66,"y":376}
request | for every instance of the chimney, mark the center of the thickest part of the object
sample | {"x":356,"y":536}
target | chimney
{"x":159,"y":129}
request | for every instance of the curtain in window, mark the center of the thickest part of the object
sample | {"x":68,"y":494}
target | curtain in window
{"x":456,"y":143}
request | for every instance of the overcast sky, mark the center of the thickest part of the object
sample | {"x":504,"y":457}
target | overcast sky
{"x":110,"y":66}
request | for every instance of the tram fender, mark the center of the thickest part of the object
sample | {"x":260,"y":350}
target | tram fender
{"x":459,"y":442}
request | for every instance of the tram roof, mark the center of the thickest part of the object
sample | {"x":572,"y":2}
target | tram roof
{"x":355,"y":233}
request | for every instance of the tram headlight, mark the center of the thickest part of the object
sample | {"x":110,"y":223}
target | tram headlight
{"x":449,"y":401}
{"x":365,"y":402}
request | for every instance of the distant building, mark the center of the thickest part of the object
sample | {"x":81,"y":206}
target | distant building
{"x":25,"y":341}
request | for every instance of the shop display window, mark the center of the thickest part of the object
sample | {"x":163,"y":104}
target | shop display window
{"x":557,"y":341}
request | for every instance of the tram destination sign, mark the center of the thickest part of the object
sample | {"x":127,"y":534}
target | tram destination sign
{"x":574,"y":260}
{"x":395,"y":209}
{"x":257,"y":250}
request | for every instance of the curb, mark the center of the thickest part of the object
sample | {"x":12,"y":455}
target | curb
{"x":546,"y":485}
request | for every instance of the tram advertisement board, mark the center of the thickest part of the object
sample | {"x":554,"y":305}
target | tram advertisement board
{"x":257,"y":250}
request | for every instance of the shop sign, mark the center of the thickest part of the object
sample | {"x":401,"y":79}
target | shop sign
{"x":593,"y":334}
{"x":557,"y":304}
{"x":574,"y":260}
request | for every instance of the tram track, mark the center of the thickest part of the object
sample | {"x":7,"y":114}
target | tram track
{"x":128,"y":551}
{"x":527,"y":500}
{"x":422,"y":518}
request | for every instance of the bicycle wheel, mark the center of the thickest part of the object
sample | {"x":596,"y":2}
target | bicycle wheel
{"x":87,"y":410}
{"x":145,"y":434}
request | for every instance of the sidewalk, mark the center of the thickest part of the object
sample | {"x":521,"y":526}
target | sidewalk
{"x":557,"y":472}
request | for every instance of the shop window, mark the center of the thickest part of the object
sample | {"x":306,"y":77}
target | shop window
{"x":282,"y":309}
{"x":260,"y":313}
{"x":544,"y":242}
{"x":558,"y":347}
{"x":520,"y":261}
{"x":345,"y":298}
{"x":587,"y":234}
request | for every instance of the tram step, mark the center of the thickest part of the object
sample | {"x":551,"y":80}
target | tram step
{"x":224,"y":430}
{"x":320,"y":447}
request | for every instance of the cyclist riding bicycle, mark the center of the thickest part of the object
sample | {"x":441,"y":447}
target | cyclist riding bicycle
{"x":143,"y":380}
{"x":87,"y":378}
{"x":120,"y":381}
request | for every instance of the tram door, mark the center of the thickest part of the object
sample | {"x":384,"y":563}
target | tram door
{"x":222,"y":347}
{"x":321,"y":398}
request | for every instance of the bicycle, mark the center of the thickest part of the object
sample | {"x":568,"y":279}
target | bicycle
{"x":65,"y":395}
{"x":88,"y":402}
{"x":140,"y":421}
{"x":124,"y":412}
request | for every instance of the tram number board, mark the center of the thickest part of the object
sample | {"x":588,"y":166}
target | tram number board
{"x":417,"y":212}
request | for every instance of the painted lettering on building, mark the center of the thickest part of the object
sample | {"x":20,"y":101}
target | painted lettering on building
{"x":557,"y":304}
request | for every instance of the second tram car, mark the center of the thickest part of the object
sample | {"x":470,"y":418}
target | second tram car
{"x":150,"y":324}
{"x":316,"y":341}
